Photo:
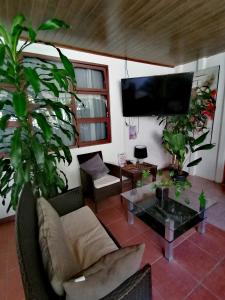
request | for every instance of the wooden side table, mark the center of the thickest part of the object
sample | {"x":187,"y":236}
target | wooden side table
{"x":134,"y":172}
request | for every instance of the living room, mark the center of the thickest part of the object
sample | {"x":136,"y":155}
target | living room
{"x":149,"y":133}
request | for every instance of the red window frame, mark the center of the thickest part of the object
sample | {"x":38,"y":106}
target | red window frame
{"x":105,"y":93}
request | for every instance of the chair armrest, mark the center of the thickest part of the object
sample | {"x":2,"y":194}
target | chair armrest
{"x":114,"y":169}
{"x":137,"y":287}
{"x":68,"y":201}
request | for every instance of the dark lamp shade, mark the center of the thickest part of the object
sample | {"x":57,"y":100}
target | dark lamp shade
{"x":140,"y":152}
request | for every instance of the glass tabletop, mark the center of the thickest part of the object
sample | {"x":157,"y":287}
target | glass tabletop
{"x":179,"y":210}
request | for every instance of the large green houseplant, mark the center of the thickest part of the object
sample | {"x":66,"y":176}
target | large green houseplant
{"x":185,"y":134}
{"x":34,"y":149}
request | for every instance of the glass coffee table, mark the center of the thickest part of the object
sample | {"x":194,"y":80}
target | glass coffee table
{"x":171,"y":217}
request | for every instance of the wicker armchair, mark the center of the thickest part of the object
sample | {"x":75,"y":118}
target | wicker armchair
{"x":88,"y":186}
{"x":35,"y":282}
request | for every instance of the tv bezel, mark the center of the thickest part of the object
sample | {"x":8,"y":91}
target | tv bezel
{"x":155,"y":113}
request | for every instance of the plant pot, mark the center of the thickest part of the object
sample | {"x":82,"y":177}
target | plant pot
{"x":162,"y":194}
{"x":180,"y":177}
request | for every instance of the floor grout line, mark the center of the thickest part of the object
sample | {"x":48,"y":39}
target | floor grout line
{"x":204,"y":250}
{"x":211,"y":292}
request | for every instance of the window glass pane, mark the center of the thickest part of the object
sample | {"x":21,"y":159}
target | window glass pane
{"x":92,"y":132}
{"x":57,"y":125}
{"x":64,"y":98}
{"x":4,"y":95}
{"x":5,"y":139}
{"x":87,"y":78}
{"x":91,"y":106}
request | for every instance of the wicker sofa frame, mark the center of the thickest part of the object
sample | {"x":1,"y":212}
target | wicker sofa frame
{"x":35,"y":282}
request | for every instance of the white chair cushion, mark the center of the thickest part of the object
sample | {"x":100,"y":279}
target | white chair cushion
{"x":105,"y":181}
{"x":86,"y":235}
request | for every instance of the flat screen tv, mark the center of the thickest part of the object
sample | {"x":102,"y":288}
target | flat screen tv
{"x":156,"y":95}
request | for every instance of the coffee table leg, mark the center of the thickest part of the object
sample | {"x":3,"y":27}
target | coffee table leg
{"x":168,"y":250}
{"x":130,"y":215}
{"x":202,"y":224}
{"x":169,"y":237}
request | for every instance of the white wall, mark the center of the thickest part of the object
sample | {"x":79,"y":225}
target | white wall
{"x":212,"y":164}
{"x":149,"y":133}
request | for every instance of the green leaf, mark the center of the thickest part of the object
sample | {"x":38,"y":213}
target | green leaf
{"x":67,"y":65}
{"x":204,"y":147}
{"x":52,"y":87}
{"x":67,"y":133}
{"x":5,"y":35}
{"x":53,"y":24}
{"x":64,"y":148}
{"x":5,"y":102}
{"x":65,"y":188}
{"x":9,"y":79}
{"x":16,"y":149}
{"x":15,"y":192}
{"x":61,"y":79}
{"x":57,"y":111}
{"x":50,"y":168}
{"x":17,"y":20}
{"x":67,"y":154}
{"x":60,"y":183}
{"x":3,"y":121}
{"x":32,"y":77}
{"x":20,"y":103}
{"x":194,"y":162}
{"x":43,"y":124}
{"x":38,"y":151}
{"x":202,"y":200}
{"x":200,"y":139}
{"x":5,"y":191}
{"x":32,"y":34}
{"x":15,"y":35}
{"x":2,"y":54}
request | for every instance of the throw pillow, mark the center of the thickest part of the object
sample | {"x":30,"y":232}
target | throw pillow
{"x":57,"y":256}
{"x":106,"y":275}
{"x":95,"y":167}
{"x":87,"y":237}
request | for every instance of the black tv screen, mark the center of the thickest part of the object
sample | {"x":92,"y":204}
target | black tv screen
{"x":156,"y":95}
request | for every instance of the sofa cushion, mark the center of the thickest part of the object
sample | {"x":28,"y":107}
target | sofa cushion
{"x":88,"y":238}
{"x":105,"y":181}
{"x":106,"y":275}
{"x":57,"y":255}
{"x":95,"y":167}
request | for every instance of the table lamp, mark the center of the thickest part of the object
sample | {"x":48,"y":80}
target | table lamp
{"x":140,"y":152}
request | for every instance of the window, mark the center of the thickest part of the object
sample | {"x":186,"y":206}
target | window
{"x":93,"y":112}
{"x":5,"y":136}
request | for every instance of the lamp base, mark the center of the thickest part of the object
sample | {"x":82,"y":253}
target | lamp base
{"x":139,"y":161}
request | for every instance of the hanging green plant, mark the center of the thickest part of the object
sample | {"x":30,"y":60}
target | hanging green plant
{"x":34,"y":148}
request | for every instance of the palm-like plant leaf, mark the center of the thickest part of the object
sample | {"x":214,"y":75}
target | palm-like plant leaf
{"x":34,"y":152}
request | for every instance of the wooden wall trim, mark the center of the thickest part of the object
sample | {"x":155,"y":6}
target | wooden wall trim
{"x":7,"y":219}
{"x":109,"y":55}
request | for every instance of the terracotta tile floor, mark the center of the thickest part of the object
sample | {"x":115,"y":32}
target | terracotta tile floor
{"x":197,"y":271}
